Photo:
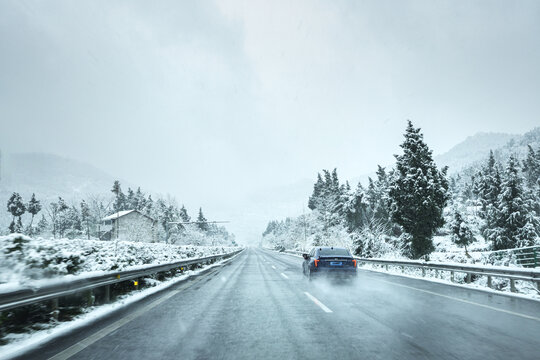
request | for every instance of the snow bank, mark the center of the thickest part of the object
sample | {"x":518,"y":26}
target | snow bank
{"x":24,"y":259}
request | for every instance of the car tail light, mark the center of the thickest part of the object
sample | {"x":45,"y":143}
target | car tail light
{"x":354,"y":262}
{"x":316,"y":262}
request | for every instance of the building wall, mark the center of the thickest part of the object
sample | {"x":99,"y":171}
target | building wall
{"x":133,"y":227}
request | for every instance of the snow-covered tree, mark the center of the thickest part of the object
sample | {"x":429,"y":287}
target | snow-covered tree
{"x":418,"y":192}
{"x":462,"y":234}
{"x":33,"y":207}
{"x":42,"y":225}
{"x":515,"y":224}
{"x":184,"y":214}
{"x":86,"y":217}
{"x":120,"y":202}
{"x":531,"y":167}
{"x":201,"y":221}
{"x":17,"y":208}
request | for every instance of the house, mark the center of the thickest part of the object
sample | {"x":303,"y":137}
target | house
{"x":129,"y":225}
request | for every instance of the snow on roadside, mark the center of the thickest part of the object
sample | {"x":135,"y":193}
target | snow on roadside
{"x":25,"y":260}
{"x":525,"y":289}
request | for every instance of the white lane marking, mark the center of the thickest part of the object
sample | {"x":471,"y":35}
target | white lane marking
{"x":83,"y":344}
{"x":316,"y":301}
{"x":407,"y":335}
{"x":273,"y":267}
{"x":285,"y":276}
{"x":465,"y":301}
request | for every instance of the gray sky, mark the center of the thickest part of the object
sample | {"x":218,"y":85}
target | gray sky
{"x":218,"y":103}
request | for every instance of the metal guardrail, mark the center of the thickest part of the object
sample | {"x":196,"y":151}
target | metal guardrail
{"x":513,"y":274}
{"x":53,"y":291}
{"x":527,"y":256}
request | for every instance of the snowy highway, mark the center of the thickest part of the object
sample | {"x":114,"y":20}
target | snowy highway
{"x":259,"y":306}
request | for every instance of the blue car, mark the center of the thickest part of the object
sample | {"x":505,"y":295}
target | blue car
{"x":329,"y":261}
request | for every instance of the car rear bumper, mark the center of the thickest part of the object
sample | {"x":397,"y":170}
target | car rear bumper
{"x":329,"y":272}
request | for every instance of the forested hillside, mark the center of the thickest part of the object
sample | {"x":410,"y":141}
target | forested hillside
{"x":416,"y":208}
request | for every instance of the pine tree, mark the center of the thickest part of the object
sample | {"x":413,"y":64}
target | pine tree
{"x":62,"y":221}
{"x":140,"y":200}
{"x":120,"y":199}
{"x":419,"y":193}
{"x":86,"y":217}
{"x":17,"y":208}
{"x":514,"y":224}
{"x":461,"y":232}
{"x":184,"y":215}
{"x":201,"y":221}
{"x":149,"y":206}
{"x":42,"y":225}
{"x":531,"y":167}
{"x":356,"y":210}
{"x":131,"y":201}
{"x":315,"y":198}
{"x":33,"y":207}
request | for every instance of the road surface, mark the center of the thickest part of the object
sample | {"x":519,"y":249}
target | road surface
{"x":259,"y":306}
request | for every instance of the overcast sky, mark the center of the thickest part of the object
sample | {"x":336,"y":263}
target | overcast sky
{"x":217,"y":102}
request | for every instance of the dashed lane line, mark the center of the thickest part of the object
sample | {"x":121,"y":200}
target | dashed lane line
{"x":317,"y":302}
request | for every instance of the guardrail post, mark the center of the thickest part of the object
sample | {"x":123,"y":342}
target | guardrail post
{"x":436,"y":273}
{"x":54,"y":308}
{"x":402,"y":269}
{"x":489,"y":284}
{"x":538,"y":285}
{"x":535,"y":256}
{"x":423,"y":271}
{"x":107,"y":294}
{"x":386,"y":267}
{"x":468,"y":278}
{"x":513,"y":285}
{"x":89,"y":297}
{"x":451,"y":276}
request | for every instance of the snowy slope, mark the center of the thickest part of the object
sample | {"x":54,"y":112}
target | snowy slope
{"x":473,"y":149}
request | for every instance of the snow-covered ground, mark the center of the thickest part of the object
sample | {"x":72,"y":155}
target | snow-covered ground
{"x":24,"y":260}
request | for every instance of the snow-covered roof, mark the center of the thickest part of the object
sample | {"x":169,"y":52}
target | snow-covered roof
{"x":117,"y":215}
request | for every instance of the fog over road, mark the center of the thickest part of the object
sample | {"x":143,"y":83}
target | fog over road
{"x":259,"y":306}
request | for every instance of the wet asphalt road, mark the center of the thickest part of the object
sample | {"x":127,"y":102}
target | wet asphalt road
{"x":259,"y":306}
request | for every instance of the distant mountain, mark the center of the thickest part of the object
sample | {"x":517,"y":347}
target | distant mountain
{"x":50,"y":176}
{"x":473,"y":149}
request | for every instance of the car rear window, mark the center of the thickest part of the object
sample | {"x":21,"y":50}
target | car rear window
{"x":333,"y":252}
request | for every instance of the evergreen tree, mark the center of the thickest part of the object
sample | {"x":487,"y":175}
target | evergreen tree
{"x":149,"y":206}
{"x":131,"y":201}
{"x":86,"y":217}
{"x":514,"y":224}
{"x":461,"y":232}
{"x":315,"y":198}
{"x":33,"y":207}
{"x":201,"y":221}
{"x":17,"y":208}
{"x":140,"y":200}
{"x":42,"y":225}
{"x":184,"y":215}
{"x":62,"y":220}
{"x":531,"y":167}
{"x":120,"y":199}
{"x":356,"y":210}
{"x":419,"y":193}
